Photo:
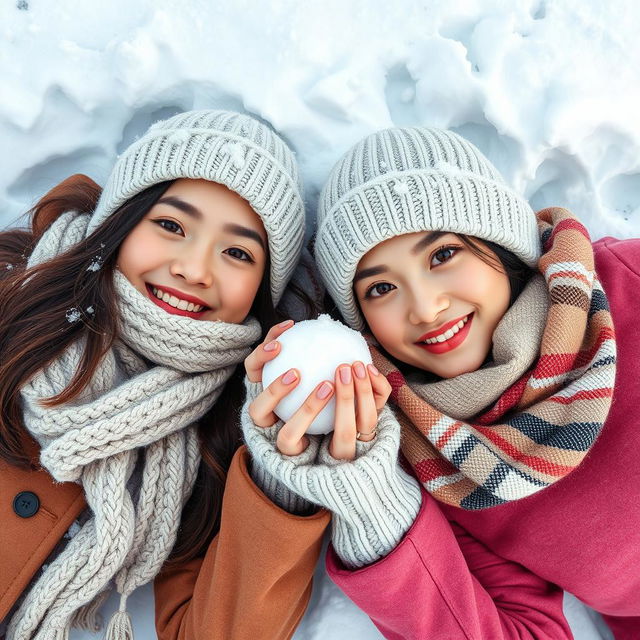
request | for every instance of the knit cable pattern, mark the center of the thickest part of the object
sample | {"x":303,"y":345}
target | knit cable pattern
{"x":373,"y":501}
{"x":132,"y":415}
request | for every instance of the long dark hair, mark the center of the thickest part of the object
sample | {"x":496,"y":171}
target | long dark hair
{"x":35,"y":328}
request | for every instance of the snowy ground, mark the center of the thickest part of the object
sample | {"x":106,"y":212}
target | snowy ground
{"x":549,"y":90}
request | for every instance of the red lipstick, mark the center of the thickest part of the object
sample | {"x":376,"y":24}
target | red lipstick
{"x":196,"y":315}
{"x":448,"y":345}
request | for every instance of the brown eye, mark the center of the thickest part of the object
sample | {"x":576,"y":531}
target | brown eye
{"x":239,"y":254}
{"x":443,"y":254}
{"x":169,"y":225}
{"x":378,"y":290}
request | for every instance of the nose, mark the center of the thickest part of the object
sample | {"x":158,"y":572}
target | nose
{"x":194,"y":266}
{"x":426,"y":305}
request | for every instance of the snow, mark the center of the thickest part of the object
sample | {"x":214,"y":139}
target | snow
{"x":549,"y":90}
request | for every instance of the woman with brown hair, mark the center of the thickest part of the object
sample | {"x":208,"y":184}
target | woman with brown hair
{"x":123,"y":316}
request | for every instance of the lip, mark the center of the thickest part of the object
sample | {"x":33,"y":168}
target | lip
{"x":445,"y":327}
{"x":450,"y":344}
{"x":178,"y":312}
{"x":179,"y":294}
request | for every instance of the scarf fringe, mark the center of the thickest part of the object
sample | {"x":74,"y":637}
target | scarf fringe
{"x":120,"y":626}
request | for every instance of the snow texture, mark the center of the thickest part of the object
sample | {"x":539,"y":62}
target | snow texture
{"x":549,"y":90}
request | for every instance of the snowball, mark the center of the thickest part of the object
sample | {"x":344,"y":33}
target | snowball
{"x":315,"y":348}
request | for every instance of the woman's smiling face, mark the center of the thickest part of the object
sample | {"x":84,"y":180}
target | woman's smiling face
{"x":199,"y":252}
{"x":431,"y":302}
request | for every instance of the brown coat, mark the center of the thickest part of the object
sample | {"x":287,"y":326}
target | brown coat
{"x":253,"y":582}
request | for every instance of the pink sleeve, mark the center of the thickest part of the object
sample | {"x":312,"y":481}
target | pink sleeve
{"x":439,"y":582}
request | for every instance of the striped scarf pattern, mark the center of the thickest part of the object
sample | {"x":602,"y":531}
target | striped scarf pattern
{"x":542,"y":426}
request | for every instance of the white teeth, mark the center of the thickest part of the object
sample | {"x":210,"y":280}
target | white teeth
{"x":183,"y":305}
{"x":449,"y":333}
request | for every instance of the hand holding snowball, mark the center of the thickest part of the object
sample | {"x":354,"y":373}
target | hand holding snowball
{"x":360,"y":391}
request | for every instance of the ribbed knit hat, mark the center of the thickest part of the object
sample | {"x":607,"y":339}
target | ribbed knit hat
{"x":225,"y":147}
{"x":405,"y":180}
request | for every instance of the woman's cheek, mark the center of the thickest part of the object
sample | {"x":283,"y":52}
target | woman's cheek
{"x":240,"y":291}
{"x":384,"y":328}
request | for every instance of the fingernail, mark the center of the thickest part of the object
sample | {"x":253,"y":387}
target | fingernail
{"x":323,"y":390}
{"x":345,"y":375}
{"x":358,"y":367}
{"x":373,"y":370}
{"x":271,"y":346}
{"x":285,"y":323}
{"x":290,"y":376}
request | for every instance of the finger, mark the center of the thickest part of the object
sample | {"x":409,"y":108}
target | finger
{"x":291,"y":439}
{"x":366,"y":411}
{"x":265,"y":351}
{"x":380,"y":386}
{"x":343,"y":441}
{"x":261,"y":409}
{"x":278,"y":329}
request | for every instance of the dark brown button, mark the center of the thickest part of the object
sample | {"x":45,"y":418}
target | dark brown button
{"x":26,"y":504}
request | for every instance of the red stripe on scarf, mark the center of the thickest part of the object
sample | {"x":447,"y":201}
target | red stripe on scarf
{"x":590,"y":394}
{"x":576,"y":275}
{"x":431,"y":468}
{"x":505,"y":402}
{"x":537,"y":463}
{"x":555,"y":364}
{"x":396,"y":380}
{"x":584,"y":356}
{"x":570,"y":223}
{"x":446,"y":436}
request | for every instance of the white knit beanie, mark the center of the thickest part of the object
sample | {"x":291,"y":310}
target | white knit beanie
{"x":225,"y":147}
{"x":405,"y":180}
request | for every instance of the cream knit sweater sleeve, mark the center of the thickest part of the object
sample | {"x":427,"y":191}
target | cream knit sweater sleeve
{"x":373,"y":501}
{"x":275,"y":490}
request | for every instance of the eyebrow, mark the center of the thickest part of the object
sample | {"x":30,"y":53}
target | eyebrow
{"x":239,"y":230}
{"x":185,"y":207}
{"x":425,"y":241}
{"x":230,"y":227}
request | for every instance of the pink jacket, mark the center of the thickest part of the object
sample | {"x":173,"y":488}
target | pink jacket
{"x":582,"y":533}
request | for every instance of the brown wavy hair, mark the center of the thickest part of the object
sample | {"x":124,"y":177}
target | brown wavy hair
{"x":34,"y":330}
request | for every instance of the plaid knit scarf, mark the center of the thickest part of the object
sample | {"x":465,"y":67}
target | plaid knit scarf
{"x":540,"y":426}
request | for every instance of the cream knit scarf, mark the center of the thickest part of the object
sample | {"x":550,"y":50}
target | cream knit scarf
{"x":132,"y":415}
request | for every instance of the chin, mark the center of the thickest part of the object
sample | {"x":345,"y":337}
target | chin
{"x":453,"y":370}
